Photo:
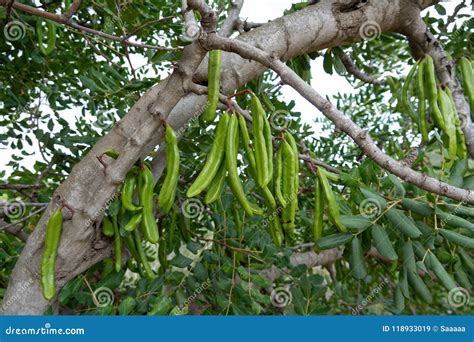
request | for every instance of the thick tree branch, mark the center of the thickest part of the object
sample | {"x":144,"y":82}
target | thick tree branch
{"x":63,"y":19}
{"x":232,"y":19}
{"x":342,"y":122}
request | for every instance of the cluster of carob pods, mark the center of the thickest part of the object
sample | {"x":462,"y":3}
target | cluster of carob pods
{"x":277,"y":178}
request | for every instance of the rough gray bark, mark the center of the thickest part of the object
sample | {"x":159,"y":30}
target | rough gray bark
{"x":90,"y":187}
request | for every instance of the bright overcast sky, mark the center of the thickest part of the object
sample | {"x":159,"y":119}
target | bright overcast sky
{"x":263,"y":11}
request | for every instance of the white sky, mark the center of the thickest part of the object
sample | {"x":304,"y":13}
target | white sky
{"x":263,"y":11}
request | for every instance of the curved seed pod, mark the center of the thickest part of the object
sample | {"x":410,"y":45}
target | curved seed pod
{"x":48,"y":261}
{"x":246,"y":138}
{"x":148,"y":225}
{"x":356,"y":259}
{"x":468,"y":262}
{"x":403,"y":223}
{"x":405,"y":90}
{"x":127,"y":192}
{"x":276,"y":231}
{"x":117,"y":245}
{"x":51,"y":39}
{"x":168,"y":189}
{"x":460,"y":139}
{"x":213,"y":161}
{"x":449,"y":122}
{"x":261,"y":152}
{"x":267,"y":194}
{"x":213,"y":81}
{"x":430,"y":77}
{"x":467,"y":80}
{"x":290,"y":192}
{"x":291,"y":140}
{"x":134,"y":222}
{"x":107,"y":227}
{"x":231,"y":165}
{"x":383,"y":243}
{"x":331,"y":200}
{"x":420,"y":287}
{"x":318,"y":211}
{"x":216,"y":186}
{"x":440,"y":272}
{"x":267,"y":133}
{"x":333,"y":241}
{"x":458,"y":239}
{"x":422,"y":112}
{"x":278,"y":193}
{"x":130,"y":244}
{"x":141,"y":253}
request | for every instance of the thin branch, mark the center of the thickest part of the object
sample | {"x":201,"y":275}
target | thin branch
{"x":18,"y":187}
{"x":23,"y":219}
{"x":230,"y":23}
{"x":67,"y":22}
{"x":72,"y":9}
{"x":16,"y":230}
{"x":342,"y":122}
{"x":146,"y":24}
{"x":352,"y":69}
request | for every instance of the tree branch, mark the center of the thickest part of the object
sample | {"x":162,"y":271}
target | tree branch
{"x":342,"y":122}
{"x":61,"y":19}
{"x":230,"y":23}
{"x":352,"y":69}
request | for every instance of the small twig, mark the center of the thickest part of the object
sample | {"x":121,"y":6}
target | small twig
{"x":23,"y":219}
{"x":352,"y":69}
{"x":72,"y":9}
{"x":19,"y":187}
